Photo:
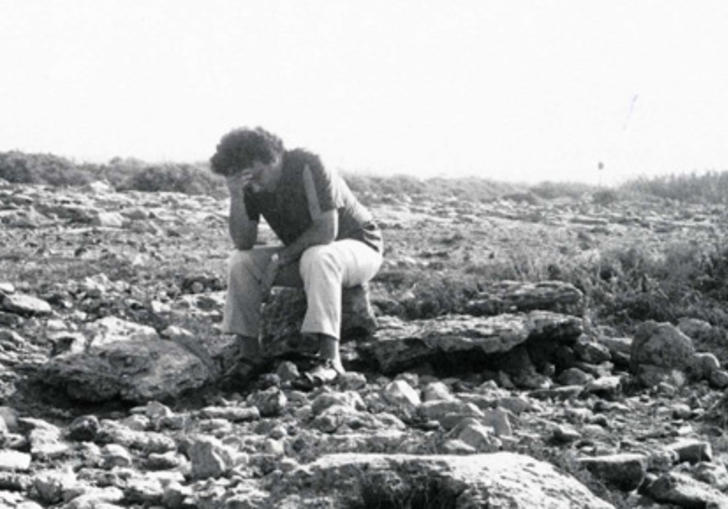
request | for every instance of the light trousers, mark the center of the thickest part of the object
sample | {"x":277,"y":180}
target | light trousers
{"x":323,"y":271}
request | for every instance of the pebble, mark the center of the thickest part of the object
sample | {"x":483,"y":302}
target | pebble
{"x":399,"y":392}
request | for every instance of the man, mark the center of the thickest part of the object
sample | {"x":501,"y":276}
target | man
{"x":330,"y":241}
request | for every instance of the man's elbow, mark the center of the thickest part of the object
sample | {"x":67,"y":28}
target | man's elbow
{"x":243,"y":245}
{"x":327,"y":232}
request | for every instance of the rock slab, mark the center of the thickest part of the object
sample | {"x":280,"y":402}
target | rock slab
{"x":127,"y":361}
{"x":500,"y":479}
{"x":398,"y":345}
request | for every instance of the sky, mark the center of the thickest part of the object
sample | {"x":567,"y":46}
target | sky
{"x":515,"y":90}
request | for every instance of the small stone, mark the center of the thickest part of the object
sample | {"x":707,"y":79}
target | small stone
{"x":455,"y":446}
{"x":274,"y":447}
{"x":51,"y":487}
{"x":448,"y":412}
{"x":10,"y":417}
{"x":565,"y":434}
{"x":400,"y":392}
{"x":436,"y":391}
{"x":232,"y":413}
{"x":703,"y":364}
{"x":574,"y":376}
{"x":661,"y":460}
{"x":591,"y":351}
{"x":692,"y":451}
{"x":84,"y":428}
{"x":45,"y":439}
{"x":25,"y":304}
{"x":115,"y":455}
{"x":271,"y":402}
{"x":165,"y":461}
{"x":681,"y":411}
{"x":352,"y":381}
{"x":499,"y":420}
{"x":606,"y":386}
{"x":325,"y":400}
{"x":515,"y":404}
{"x":288,"y":371}
{"x":719,"y":378}
{"x":14,"y":460}
{"x":209,"y":457}
{"x":476,"y":435}
{"x":175,"y":494}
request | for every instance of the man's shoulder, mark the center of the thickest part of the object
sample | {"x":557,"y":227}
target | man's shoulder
{"x":298,"y":159}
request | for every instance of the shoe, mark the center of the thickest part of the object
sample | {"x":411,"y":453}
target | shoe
{"x":244,"y":370}
{"x":324,"y":372}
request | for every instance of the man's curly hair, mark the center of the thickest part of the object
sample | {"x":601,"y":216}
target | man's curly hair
{"x":241,"y":147}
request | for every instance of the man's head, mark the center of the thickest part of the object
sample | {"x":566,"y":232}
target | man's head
{"x":244,"y":150}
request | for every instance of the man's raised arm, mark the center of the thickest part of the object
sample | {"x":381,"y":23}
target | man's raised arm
{"x":243,"y":231}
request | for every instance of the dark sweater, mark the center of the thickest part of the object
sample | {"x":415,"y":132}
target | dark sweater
{"x":286,"y":209}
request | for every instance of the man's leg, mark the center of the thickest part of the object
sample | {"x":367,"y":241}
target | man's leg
{"x":325,"y":270}
{"x":241,"y":314}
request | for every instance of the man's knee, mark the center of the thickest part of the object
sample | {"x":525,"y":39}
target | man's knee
{"x":317,"y":258}
{"x":239,"y":261}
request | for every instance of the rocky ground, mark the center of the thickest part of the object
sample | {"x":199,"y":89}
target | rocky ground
{"x":515,"y":396}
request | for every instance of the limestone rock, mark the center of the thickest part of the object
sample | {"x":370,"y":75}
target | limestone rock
{"x":24,"y":304}
{"x":659,"y":348}
{"x":128,"y":361}
{"x":108,"y":220}
{"x":400,"y":392}
{"x":482,"y":480}
{"x":14,"y":460}
{"x":511,"y":296}
{"x":471,"y":432}
{"x":684,"y":491}
{"x":625,"y":471}
{"x":209,"y":457}
{"x":283,"y":316}
{"x":398,"y":345}
{"x":703,"y":365}
{"x":45,"y":438}
{"x":692,"y":450}
{"x":719,"y":378}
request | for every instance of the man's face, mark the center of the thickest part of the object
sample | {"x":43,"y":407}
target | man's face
{"x":260,"y":176}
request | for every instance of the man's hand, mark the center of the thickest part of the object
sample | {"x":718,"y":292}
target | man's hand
{"x":237,"y":182}
{"x":271,"y":271}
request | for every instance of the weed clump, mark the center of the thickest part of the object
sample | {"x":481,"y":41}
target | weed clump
{"x":389,"y":491}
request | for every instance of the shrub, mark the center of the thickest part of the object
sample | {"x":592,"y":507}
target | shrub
{"x":21,"y":168}
{"x":605,"y":197}
{"x":552,"y":190}
{"x":709,"y":187}
{"x":181,"y":178}
{"x":389,"y":491}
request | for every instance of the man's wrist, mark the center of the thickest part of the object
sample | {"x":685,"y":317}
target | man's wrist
{"x":283,"y":258}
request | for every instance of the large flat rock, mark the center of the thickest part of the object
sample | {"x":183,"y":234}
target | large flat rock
{"x":398,"y":344}
{"x":127,"y":361}
{"x":500,"y":479}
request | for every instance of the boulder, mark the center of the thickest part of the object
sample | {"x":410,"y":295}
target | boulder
{"x":660,"y":348}
{"x":127,"y":361}
{"x":684,"y":491}
{"x":624,"y":471}
{"x":22,"y":304}
{"x":283,"y":316}
{"x":512,"y":296}
{"x":398,"y":345}
{"x":499,"y":479}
